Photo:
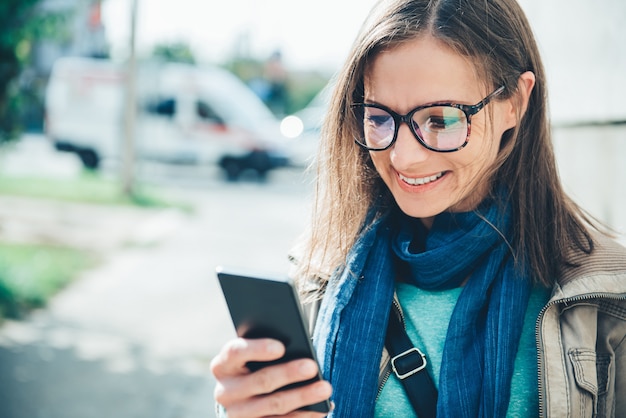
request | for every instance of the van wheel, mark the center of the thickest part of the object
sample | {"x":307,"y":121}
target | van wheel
{"x":232,"y":168}
{"x":262,"y":173}
{"x":89,"y":158}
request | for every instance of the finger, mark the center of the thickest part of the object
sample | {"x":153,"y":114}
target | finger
{"x":232,"y":359}
{"x":264,"y":381}
{"x":285,"y":403}
{"x":305,"y":414}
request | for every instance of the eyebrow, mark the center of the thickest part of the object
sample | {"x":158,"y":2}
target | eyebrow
{"x":434,"y":103}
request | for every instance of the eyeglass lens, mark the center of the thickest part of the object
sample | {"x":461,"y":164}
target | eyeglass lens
{"x":440,"y":127}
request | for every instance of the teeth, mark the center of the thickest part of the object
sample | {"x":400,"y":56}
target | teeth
{"x":420,"y":181}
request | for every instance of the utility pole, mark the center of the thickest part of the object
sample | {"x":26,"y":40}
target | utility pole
{"x":128,"y":157}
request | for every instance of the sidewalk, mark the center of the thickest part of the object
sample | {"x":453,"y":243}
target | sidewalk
{"x":108,"y":345}
{"x":133,"y":338}
{"x":111,"y":345}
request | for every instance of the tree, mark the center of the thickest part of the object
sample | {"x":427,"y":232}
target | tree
{"x":14,"y":15}
{"x":22,"y":25}
{"x":174,"y":52}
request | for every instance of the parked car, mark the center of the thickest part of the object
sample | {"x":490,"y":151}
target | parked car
{"x":185,"y":114}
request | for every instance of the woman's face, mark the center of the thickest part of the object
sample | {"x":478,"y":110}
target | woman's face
{"x":421,"y":72}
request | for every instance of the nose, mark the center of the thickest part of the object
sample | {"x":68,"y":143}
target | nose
{"x":407,"y":150}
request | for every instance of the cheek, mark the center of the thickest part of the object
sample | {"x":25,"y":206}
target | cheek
{"x":380,"y":160}
{"x":382,"y":165}
{"x":485,"y":141}
{"x":478,"y":159}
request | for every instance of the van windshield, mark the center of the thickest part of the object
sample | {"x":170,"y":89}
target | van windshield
{"x":234,"y":101}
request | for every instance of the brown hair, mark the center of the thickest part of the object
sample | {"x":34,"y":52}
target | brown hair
{"x":496,"y":36}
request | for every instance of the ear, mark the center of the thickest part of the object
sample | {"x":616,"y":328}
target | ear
{"x":525,"y":85}
{"x":518,"y":103}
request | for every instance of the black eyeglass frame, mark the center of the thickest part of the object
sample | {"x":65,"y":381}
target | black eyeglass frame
{"x":398,"y":119}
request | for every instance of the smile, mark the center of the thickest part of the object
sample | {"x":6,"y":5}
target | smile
{"x":421,"y":180}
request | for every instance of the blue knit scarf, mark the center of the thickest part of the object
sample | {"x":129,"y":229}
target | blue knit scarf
{"x":485,"y":327}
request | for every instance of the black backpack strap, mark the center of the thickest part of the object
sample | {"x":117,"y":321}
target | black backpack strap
{"x":409,"y":365}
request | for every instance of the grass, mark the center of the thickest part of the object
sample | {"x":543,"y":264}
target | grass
{"x":87,"y":188}
{"x":31,"y":274}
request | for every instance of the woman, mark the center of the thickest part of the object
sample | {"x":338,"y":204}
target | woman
{"x":450,"y":199}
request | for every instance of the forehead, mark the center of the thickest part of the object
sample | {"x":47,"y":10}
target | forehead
{"x":420,"y":71}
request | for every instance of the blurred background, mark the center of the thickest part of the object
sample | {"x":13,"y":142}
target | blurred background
{"x":144,"y":143}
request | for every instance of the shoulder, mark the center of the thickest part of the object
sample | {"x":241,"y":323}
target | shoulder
{"x":311,"y":291}
{"x":602,"y":270}
{"x":607,"y":257}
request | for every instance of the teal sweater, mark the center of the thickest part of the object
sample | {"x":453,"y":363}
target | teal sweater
{"x":429,"y":334}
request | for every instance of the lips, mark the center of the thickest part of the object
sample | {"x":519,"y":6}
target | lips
{"x":418,"y":181}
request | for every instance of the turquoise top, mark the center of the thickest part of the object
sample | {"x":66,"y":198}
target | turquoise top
{"x":429,"y":336}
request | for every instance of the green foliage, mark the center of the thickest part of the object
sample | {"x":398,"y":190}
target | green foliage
{"x":174,"y":52}
{"x":31,"y":274}
{"x":88,"y":188}
{"x":22,"y":25}
{"x":246,"y":69}
{"x":301,"y":86}
{"x":13,"y":17}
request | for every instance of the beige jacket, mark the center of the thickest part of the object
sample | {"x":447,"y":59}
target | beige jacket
{"x":580,"y":338}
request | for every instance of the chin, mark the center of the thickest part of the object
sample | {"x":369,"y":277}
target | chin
{"x":420,"y":211}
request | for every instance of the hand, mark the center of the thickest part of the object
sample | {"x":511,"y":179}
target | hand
{"x":252,"y":394}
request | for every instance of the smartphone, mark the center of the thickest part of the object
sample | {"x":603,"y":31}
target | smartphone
{"x":262,"y":306}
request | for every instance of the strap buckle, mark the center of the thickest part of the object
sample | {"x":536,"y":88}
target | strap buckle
{"x":411,"y":361}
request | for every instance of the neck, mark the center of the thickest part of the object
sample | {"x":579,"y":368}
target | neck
{"x":427,"y":222}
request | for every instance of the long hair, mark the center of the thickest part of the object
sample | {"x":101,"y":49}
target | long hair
{"x":496,"y":36}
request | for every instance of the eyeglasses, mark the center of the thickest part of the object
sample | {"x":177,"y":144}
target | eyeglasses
{"x":441,"y":127}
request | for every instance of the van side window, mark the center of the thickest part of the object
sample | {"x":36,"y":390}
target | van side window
{"x":206,"y":113}
{"x":162,"y":107}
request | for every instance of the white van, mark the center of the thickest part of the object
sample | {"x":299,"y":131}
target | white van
{"x":185,"y":114}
